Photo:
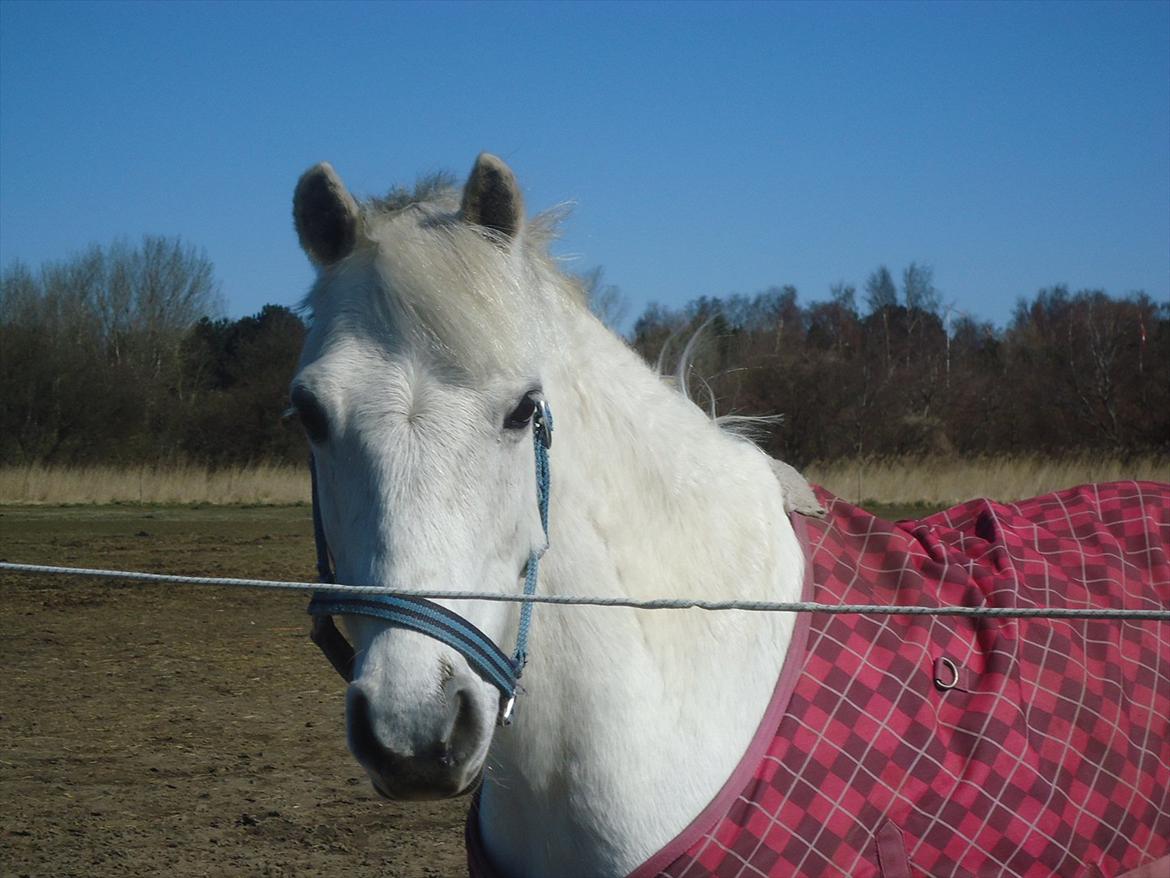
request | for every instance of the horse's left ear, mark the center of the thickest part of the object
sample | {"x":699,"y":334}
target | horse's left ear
{"x":325,"y":214}
{"x":492,"y":197}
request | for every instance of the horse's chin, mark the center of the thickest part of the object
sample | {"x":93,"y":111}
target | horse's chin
{"x":396,"y":792}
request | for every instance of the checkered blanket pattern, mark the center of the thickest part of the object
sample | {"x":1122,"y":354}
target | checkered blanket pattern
{"x":1051,"y":755}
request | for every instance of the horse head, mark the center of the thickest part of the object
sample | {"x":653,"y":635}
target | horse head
{"x":417,"y":388}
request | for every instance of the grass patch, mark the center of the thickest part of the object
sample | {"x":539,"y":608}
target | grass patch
{"x":916,"y":487}
{"x":256,"y":485}
{"x":899,"y":487}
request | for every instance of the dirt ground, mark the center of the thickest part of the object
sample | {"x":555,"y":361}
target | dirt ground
{"x":180,"y":730}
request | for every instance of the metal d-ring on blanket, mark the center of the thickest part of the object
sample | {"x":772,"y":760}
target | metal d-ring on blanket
{"x":428,"y":617}
{"x":946,"y":674}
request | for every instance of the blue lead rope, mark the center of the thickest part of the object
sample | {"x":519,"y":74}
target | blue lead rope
{"x":542,"y":425}
{"x":427,"y":617}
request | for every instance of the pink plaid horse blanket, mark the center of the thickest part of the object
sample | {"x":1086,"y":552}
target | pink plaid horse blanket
{"x":899,"y":746}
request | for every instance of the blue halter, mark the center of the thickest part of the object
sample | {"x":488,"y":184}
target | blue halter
{"x":427,"y":617}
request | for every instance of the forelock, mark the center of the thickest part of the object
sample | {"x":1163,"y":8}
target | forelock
{"x":450,"y":290}
{"x":464,"y":299}
{"x":439,"y":187}
{"x":447,"y":290}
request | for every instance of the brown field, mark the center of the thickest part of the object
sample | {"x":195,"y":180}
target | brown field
{"x":185,"y":731}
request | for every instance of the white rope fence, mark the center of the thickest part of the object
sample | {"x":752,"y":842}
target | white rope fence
{"x":598,"y":601}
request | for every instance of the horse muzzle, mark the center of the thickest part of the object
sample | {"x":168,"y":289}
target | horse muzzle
{"x":436,"y":751}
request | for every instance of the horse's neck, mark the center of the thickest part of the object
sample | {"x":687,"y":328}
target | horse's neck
{"x":633,"y":720}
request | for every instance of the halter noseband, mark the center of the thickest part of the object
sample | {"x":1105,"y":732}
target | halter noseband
{"x":428,"y":617}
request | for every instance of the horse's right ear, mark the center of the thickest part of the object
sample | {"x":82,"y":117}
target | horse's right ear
{"x":325,"y":214}
{"x":492,"y":197}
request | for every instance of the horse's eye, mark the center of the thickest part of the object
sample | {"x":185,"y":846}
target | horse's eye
{"x":311,"y":414}
{"x":522,"y":414}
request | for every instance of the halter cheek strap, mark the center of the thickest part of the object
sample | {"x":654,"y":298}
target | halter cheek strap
{"x":427,"y":617}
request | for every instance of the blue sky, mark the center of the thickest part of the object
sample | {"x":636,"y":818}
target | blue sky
{"x":708,"y":148}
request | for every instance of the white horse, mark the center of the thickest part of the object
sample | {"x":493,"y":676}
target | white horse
{"x":431,"y":326}
{"x":440,"y":330}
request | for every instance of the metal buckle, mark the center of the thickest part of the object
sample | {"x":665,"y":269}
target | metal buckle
{"x":505,"y":717}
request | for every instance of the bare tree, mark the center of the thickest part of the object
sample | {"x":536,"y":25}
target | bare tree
{"x":91,"y":347}
{"x":844,"y":295}
{"x":918,"y":289}
{"x":880,"y":291}
{"x":608,"y":303}
{"x":881,"y":297}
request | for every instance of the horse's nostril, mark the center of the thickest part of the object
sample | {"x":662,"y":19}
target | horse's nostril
{"x":359,"y":703}
{"x":465,"y":732}
{"x":362,"y":740}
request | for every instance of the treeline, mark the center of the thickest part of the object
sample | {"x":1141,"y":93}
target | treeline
{"x":1071,"y":372}
{"x":115,"y":356}
{"x":118,"y":356}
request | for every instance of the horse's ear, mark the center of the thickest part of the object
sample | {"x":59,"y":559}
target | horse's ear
{"x":325,"y":214}
{"x":492,"y":197}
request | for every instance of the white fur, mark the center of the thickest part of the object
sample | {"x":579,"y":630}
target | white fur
{"x":422,"y":340}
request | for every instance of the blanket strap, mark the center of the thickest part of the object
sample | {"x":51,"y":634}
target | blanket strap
{"x":891,"y":851}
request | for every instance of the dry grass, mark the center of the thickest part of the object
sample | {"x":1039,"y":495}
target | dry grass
{"x":931,"y":482}
{"x":265,"y":484}
{"x":944,"y":481}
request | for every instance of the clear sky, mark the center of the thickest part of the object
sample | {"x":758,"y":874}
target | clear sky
{"x":708,"y":148}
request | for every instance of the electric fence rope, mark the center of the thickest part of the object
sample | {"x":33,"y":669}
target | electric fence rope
{"x":600,"y":601}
